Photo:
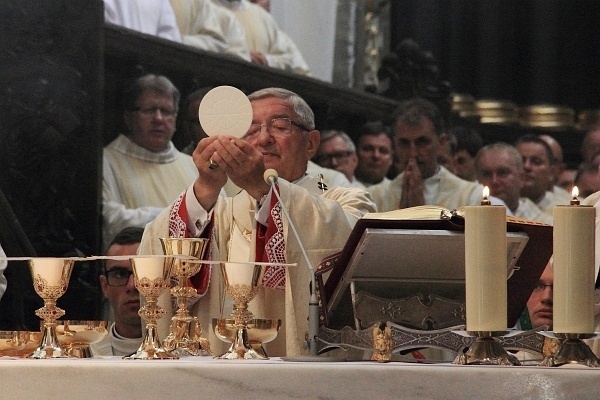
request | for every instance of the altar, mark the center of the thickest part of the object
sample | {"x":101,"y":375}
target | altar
{"x":205,"y":377}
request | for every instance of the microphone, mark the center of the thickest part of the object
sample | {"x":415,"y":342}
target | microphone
{"x":270,"y":176}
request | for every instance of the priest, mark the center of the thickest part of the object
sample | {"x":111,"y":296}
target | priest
{"x":252,"y":226}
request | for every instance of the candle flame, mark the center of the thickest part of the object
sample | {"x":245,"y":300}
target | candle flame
{"x":486,"y":192}
{"x":575,"y":192}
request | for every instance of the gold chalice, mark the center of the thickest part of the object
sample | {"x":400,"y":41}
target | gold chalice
{"x":18,"y":343}
{"x":76,"y":336}
{"x":242,"y":283}
{"x":50,"y":281}
{"x":151,"y":277}
{"x":184,"y":337}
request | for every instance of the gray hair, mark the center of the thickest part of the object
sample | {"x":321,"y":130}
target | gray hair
{"x":300,"y":107}
{"x":331,"y":133}
{"x":156,"y":83}
{"x":501,"y":146}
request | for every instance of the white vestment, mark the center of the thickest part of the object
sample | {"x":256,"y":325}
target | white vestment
{"x":527,"y":209}
{"x":265,"y":36}
{"x":209,"y":26}
{"x":331,"y":177}
{"x":443,"y":189}
{"x":551,"y":199}
{"x":153,"y":17}
{"x":115,"y":345}
{"x":137,"y":183}
{"x":323,"y":221}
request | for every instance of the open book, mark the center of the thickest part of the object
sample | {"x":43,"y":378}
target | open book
{"x":402,"y":246}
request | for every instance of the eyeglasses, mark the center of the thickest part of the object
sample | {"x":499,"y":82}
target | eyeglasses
{"x":540,"y":287}
{"x":339,"y":156}
{"x":151,"y":111}
{"x":118,"y":276}
{"x":279,"y":127}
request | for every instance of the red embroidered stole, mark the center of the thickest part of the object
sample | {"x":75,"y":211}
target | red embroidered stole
{"x":270,"y":245}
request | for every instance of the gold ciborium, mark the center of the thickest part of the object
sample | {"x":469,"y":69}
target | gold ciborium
{"x":241,"y":282}
{"x":260,"y":331}
{"x":76,"y":336}
{"x":18,"y":343}
{"x":184,"y":337}
{"x":50,"y":281}
{"x":151,"y":277}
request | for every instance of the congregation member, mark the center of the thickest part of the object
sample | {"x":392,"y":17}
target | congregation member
{"x":590,"y":144}
{"x":209,"y":26}
{"x":117,"y":283}
{"x":268,"y":44}
{"x":153,"y":17}
{"x":143,"y":172}
{"x":539,"y":305}
{"x":446,"y":151}
{"x":587,"y":178}
{"x":251,"y":226}
{"x":337,"y":151}
{"x":468,"y":143}
{"x":375,"y":153}
{"x":558,"y":167}
{"x":500,"y":167}
{"x":538,"y":178}
{"x":418,"y":130}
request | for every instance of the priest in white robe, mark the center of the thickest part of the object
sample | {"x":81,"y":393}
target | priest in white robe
{"x":209,"y":26}
{"x":153,"y":17}
{"x":252,"y":226}
{"x":143,"y":172}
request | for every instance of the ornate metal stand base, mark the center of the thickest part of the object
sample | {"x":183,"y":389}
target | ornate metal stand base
{"x":241,"y":349}
{"x":486,"y":350}
{"x":185,"y":338}
{"x":572,"y":350}
{"x":151,"y":349}
{"x":49,"y":346}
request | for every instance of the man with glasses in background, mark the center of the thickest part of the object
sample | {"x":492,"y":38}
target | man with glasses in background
{"x":253,"y":226}
{"x":337,"y":151}
{"x":143,"y":172}
{"x":117,"y":283}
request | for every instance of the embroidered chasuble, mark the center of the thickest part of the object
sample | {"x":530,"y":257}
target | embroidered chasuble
{"x":324,"y":222}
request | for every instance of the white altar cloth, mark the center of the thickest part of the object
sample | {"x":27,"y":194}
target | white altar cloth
{"x":207,"y":378}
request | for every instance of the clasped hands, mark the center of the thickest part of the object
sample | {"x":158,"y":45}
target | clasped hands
{"x":412,"y":186}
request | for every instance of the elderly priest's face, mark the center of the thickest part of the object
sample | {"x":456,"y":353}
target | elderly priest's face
{"x":286,"y":146}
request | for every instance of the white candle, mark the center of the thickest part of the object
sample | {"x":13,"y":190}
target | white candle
{"x":485,"y":268}
{"x":573,"y":267}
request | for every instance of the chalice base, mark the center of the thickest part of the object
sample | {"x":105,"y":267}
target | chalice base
{"x":49,"y":346}
{"x":180,"y":343}
{"x":572,"y":350}
{"x":151,"y":349}
{"x":486,"y":350}
{"x":241,"y":349}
